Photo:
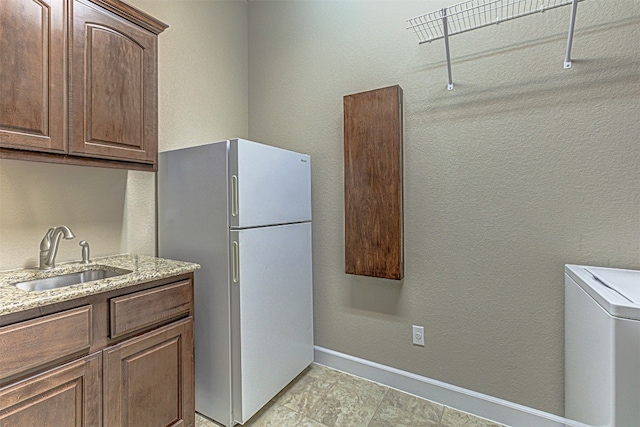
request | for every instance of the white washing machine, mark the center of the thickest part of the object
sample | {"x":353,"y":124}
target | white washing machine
{"x":602,"y":346}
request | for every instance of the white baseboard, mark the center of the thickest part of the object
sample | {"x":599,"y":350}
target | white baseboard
{"x":481,"y":405}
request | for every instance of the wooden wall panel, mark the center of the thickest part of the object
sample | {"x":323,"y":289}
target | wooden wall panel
{"x":373,"y":183}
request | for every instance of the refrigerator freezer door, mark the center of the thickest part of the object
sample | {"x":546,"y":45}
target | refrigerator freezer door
{"x":272,"y":315}
{"x":268,"y":185}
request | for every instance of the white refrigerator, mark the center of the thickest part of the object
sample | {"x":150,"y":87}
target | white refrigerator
{"x":242,"y":210}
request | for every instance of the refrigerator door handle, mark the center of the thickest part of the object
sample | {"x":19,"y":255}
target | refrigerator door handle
{"x":236,"y":266}
{"x":234,"y":195}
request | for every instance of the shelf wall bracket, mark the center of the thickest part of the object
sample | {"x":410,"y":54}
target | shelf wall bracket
{"x":572,"y":23}
{"x":445,"y":29}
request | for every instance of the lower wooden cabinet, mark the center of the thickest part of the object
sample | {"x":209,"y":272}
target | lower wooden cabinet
{"x":148,"y":380}
{"x":69,"y":395}
{"x":129,"y":371}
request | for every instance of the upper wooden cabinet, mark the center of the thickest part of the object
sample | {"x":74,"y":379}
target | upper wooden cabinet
{"x":80,"y":85}
{"x":33,"y":75}
{"x":113,"y":87}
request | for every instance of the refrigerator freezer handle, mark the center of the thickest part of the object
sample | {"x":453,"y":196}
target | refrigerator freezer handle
{"x":234,"y":195}
{"x":236,"y":266}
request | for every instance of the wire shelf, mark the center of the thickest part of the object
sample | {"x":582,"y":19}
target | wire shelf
{"x":472,"y":14}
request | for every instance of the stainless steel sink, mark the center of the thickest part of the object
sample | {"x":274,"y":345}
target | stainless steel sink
{"x":70,"y":279}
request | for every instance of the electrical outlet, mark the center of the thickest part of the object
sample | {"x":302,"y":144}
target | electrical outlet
{"x":418,"y":335}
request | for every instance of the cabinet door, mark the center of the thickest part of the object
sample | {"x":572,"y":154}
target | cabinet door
{"x":32,"y":75}
{"x":65,"y":396}
{"x":148,"y":380}
{"x":373,"y":173}
{"x":113,"y":80}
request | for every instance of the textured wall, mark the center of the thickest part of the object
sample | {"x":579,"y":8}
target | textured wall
{"x":202,"y":97}
{"x":522,"y":168}
{"x":203,"y":71}
{"x":37,"y":196}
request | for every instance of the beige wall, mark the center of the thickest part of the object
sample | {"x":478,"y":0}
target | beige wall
{"x":37,"y":196}
{"x":522,"y":168}
{"x":203,"y":86}
{"x":202,"y":97}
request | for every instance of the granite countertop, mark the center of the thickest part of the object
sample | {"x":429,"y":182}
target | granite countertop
{"x":143,"y":269}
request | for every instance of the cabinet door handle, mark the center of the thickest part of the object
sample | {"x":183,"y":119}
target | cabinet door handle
{"x":234,"y":195}
{"x":236,"y":263}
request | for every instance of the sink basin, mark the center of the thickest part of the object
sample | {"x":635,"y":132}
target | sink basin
{"x":70,"y":279}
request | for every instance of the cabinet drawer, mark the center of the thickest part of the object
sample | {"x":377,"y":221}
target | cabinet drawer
{"x":150,"y":307}
{"x":27,"y":345}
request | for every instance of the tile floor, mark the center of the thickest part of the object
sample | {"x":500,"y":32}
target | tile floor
{"x":324,"y":397}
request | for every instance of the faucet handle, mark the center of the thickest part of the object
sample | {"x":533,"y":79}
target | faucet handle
{"x":85,"y":252}
{"x":45,"y":244}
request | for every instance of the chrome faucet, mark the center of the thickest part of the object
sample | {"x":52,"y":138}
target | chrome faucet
{"x":49,"y":245}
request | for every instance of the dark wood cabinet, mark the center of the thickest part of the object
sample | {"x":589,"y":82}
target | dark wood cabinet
{"x":122,"y":358}
{"x":45,"y":341}
{"x":69,"y":395}
{"x":113,"y":87}
{"x":81,"y":84}
{"x":373,"y":200}
{"x":148,"y":380}
{"x":33,"y":75}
